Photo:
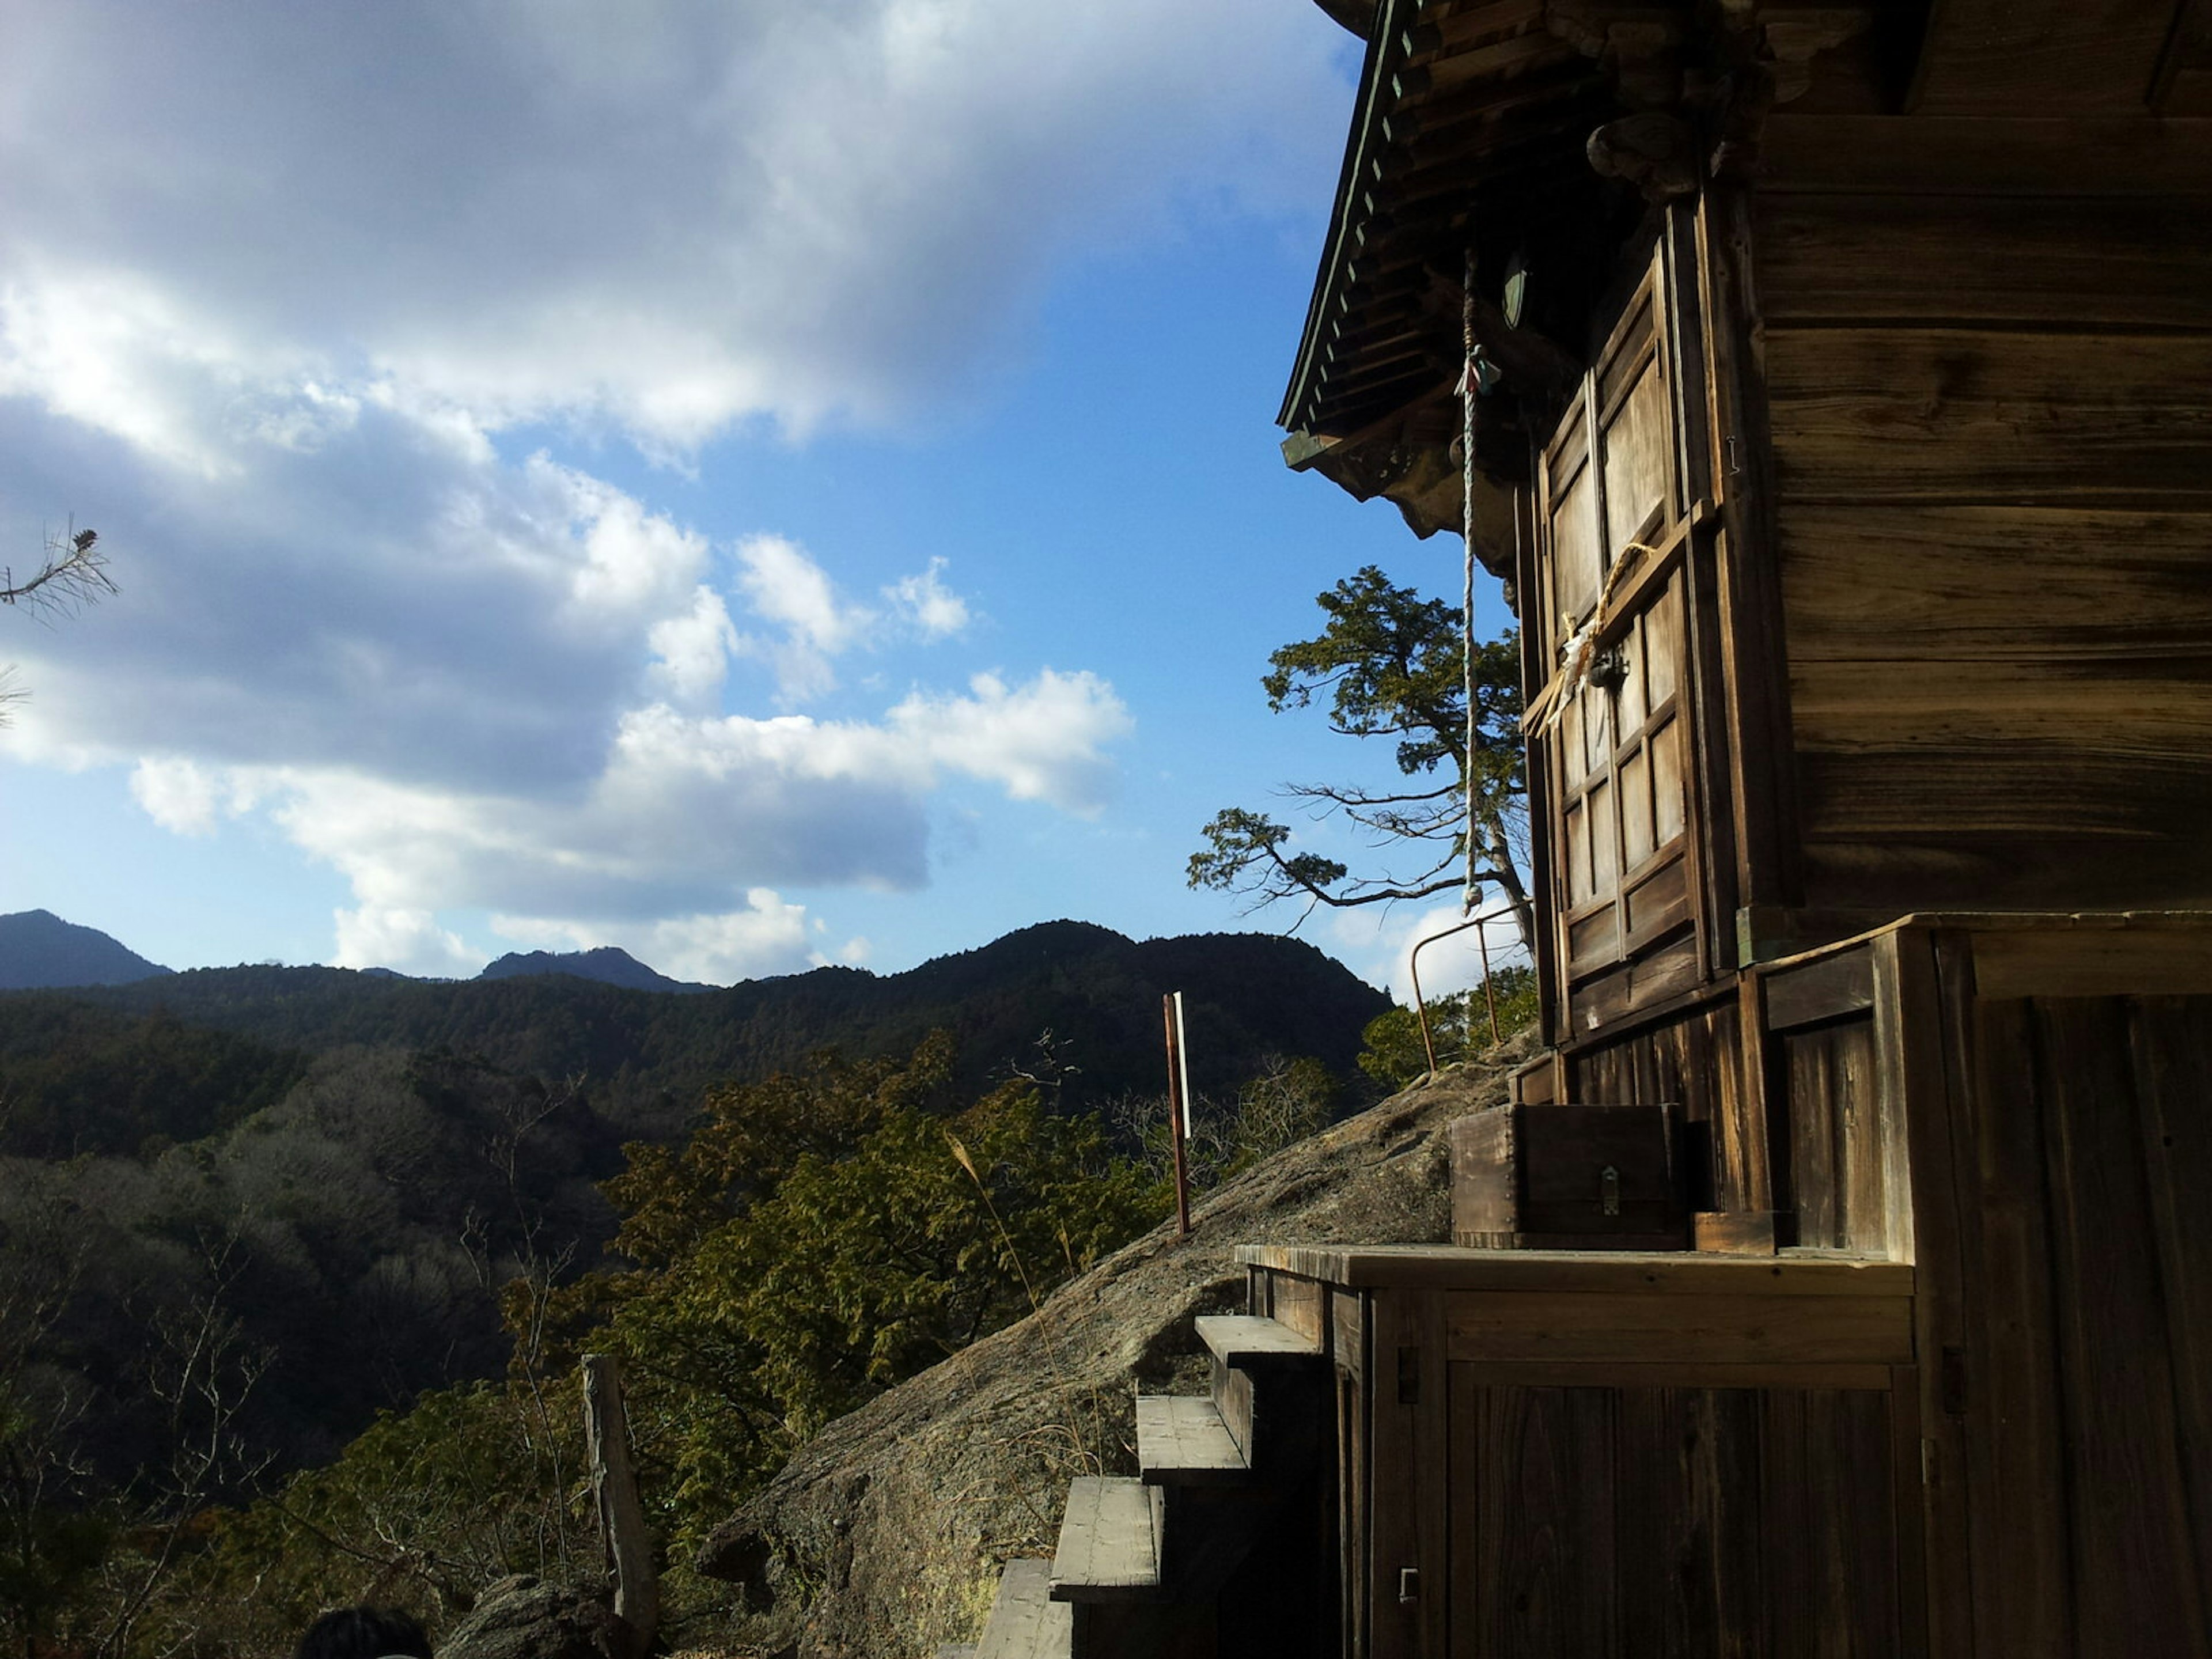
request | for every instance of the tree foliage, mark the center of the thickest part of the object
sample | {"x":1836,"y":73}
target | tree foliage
{"x":1390,"y":665}
{"x":169,"y":1321}
{"x":647,"y":1056}
{"x":1459,"y":1027}
{"x":826,"y":1234}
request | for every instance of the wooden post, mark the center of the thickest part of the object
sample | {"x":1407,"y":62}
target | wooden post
{"x":622,"y":1537}
{"x":1177,"y":1111}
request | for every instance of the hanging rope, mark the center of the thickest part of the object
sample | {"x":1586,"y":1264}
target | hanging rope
{"x":1470,"y":388}
{"x":1580,"y":651}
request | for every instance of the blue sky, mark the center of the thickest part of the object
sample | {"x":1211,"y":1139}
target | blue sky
{"x":755,"y":485}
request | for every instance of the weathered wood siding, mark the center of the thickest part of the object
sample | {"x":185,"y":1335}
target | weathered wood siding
{"x":1696,"y":1061}
{"x":1991,"y":417}
{"x":1631,"y":1521}
{"x":2066,"y":1272}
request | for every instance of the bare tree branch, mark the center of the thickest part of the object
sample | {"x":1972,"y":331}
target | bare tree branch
{"x":73,"y":576}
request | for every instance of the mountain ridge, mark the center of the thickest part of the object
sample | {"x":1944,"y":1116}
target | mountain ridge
{"x":1073,"y":1004}
{"x":609,"y":964}
{"x":39,"y":951}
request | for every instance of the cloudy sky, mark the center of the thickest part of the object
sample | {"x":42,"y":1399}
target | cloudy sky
{"x":756,"y":484}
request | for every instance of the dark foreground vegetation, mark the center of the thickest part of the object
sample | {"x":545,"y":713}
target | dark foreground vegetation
{"x":295,"y":1324}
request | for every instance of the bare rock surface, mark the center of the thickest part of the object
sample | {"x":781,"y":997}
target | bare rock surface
{"x":884,"y":1536}
{"x":524,"y":1618}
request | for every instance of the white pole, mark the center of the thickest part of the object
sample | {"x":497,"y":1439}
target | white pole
{"x":1183,"y":1061}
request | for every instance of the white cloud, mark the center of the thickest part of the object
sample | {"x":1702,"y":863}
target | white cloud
{"x":1044,"y":741}
{"x":406,"y":941}
{"x":670,"y":848}
{"x":814,"y":624}
{"x":766,"y":935}
{"x":178,"y":794}
{"x":931,"y":609}
{"x":677,"y":216}
{"x":785,"y":588}
{"x":693,"y":647}
{"x":283,"y":282}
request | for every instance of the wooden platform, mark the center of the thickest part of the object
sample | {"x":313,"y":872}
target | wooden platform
{"x":1109,"y":1541}
{"x":1254,"y":1344}
{"x":1449,"y":1267}
{"x":1026,"y":1623}
{"x":1183,"y":1442}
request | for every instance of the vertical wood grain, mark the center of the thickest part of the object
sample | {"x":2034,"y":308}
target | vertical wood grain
{"x":2173,"y":1063}
{"x":2136,"y":1589}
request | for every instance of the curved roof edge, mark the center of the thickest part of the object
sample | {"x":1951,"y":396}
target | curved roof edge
{"x":1357,"y":15}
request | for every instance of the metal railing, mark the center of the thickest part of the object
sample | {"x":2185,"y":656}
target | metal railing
{"x":1489,"y":991}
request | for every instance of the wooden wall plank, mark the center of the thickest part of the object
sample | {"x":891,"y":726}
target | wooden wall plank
{"x":1681,"y":1593}
{"x":1951,"y":155}
{"x":1860,"y":1113}
{"x":1863,"y":415}
{"x":1911,"y":1506}
{"x":1862,"y":1426}
{"x":2183,"y":86}
{"x":2023,"y":1593}
{"x":2136,"y":1579}
{"x":1752,"y":1329}
{"x":1393,"y":1531}
{"x":2151,"y":704}
{"x":2100,"y":962}
{"x":1913,"y":258}
{"x":2173,"y":1063}
{"x":1935,"y":980}
{"x":1661,"y":1549}
{"x":1930,"y":829}
{"x":1753,"y":706}
{"x":1543,"y":1577}
{"x":1808,"y":1061}
{"x":1831,"y":988}
{"x":1432,"y":1461}
{"x":1836,"y":1151}
{"x":1721,"y":1454}
{"x":1932,"y":791}
{"x":1898,"y":583}
{"x":1668,"y":971}
{"x":2033,"y":57}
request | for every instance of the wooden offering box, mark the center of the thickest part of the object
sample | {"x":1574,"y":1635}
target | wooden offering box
{"x":1571,"y":1178}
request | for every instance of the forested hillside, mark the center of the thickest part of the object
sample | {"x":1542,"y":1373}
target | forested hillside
{"x":644,"y":1056}
{"x":269,"y":1237}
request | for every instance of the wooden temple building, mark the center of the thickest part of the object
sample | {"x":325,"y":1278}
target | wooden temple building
{"x":1840,"y":1282}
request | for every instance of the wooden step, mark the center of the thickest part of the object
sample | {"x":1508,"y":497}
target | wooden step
{"x":1025,"y":1623}
{"x":1109,"y":1541}
{"x":1270,"y":1388}
{"x":1252,"y":1343}
{"x":1183,"y":1442}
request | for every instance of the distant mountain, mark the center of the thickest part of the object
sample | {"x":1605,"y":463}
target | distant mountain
{"x":607,"y":964}
{"x":38,"y":950}
{"x":646,"y":1055}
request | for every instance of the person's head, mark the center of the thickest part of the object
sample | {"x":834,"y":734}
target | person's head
{"x":364,"y":1633}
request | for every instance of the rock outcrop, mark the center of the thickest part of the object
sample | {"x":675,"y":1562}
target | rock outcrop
{"x":884,"y":1536}
{"x":524,"y":1618}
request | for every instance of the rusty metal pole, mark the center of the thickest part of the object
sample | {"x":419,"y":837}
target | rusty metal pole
{"x":1421,"y":1004}
{"x":1177,"y":1114}
{"x":1489,"y":991}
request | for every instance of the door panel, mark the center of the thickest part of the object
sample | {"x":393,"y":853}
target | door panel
{"x":1610,"y":562}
